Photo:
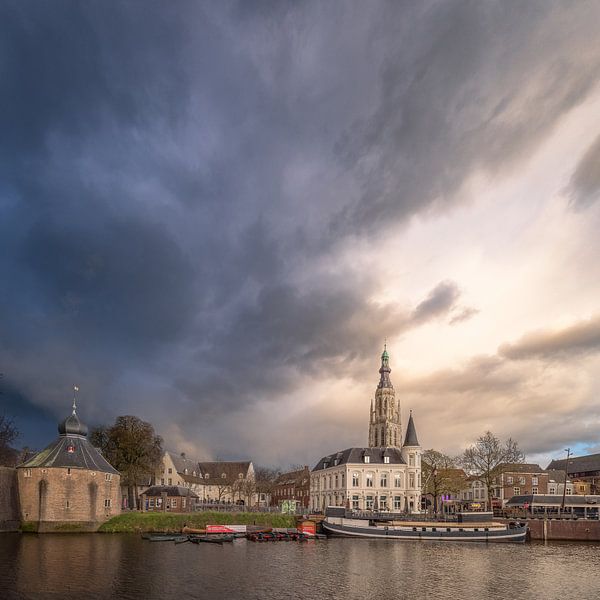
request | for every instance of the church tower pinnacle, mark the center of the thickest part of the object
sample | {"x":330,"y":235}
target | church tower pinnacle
{"x":384,"y":423}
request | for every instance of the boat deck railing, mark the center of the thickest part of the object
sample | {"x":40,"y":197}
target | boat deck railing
{"x":396,"y":516}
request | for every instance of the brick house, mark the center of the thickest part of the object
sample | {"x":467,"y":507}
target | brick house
{"x":519,"y":479}
{"x":168,"y":498}
{"x":292,"y":486}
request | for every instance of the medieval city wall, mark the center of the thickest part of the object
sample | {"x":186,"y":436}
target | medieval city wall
{"x":9,"y":500}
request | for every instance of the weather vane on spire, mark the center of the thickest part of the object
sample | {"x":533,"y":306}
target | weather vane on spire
{"x":75,"y":390}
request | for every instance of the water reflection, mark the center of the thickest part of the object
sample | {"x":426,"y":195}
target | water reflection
{"x":124,"y":566}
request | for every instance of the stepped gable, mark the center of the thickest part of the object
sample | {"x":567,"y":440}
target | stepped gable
{"x":71,"y":449}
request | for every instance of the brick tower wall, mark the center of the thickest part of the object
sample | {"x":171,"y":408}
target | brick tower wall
{"x":9,"y":500}
{"x":62,"y":498}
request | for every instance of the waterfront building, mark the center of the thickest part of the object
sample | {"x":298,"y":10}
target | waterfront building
{"x":518,"y":479}
{"x":582,"y":468}
{"x":556,"y":483}
{"x":292,"y":487}
{"x":168,"y":498}
{"x":211,"y":481}
{"x":385,"y":475}
{"x":228,"y":481}
{"x":577,"y":506}
{"x":474,"y":494}
{"x":68,"y":483}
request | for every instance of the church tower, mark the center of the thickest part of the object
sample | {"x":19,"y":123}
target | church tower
{"x":384,"y":423}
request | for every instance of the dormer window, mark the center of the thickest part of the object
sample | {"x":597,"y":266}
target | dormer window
{"x":386,"y":460}
{"x":336,"y":462}
{"x":367,"y":458}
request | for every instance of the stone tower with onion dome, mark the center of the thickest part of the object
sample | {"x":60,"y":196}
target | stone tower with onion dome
{"x":69,"y":485}
{"x":384,"y":423}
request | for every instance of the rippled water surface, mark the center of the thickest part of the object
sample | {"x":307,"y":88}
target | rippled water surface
{"x":124,"y":566}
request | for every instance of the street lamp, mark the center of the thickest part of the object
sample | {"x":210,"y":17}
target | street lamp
{"x":562,"y":504}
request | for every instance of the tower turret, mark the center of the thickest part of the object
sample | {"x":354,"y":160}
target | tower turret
{"x":384,"y":421}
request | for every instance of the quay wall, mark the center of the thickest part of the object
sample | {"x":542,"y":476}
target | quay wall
{"x":9,"y":500}
{"x":564,"y":530}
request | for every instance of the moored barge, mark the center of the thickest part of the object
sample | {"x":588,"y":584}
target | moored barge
{"x":468,"y":527}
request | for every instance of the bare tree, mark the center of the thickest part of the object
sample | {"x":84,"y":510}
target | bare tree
{"x":265,"y":478}
{"x":489,"y":457}
{"x":8,"y":434}
{"x":440,"y":475}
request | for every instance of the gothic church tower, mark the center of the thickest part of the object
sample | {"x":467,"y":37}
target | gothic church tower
{"x":384,"y":424}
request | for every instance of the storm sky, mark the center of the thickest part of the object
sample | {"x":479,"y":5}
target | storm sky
{"x":212,"y":214}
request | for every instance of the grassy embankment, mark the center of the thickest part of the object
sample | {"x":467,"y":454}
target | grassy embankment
{"x":137,"y":522}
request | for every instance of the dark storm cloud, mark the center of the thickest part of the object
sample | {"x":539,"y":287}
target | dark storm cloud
{"x":333,"y":331}
{"x":580,"y":338}
{"x":173,"y":176}
{"x":584,"y":187}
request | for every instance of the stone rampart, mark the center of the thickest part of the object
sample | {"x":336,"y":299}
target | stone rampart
{"x":9,"y":500}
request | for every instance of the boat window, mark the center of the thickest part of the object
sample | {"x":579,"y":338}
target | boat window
{"x":460,"y":529}
{"x":486,"y":529}
{"x":434,"y":529}
{"x":414,"y":528}
{"x":423,"y":528}
{"x":448,"y":529}
{"x":476,"y":529}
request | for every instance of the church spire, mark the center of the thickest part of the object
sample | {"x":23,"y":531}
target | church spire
{"x":384,"y":371}
{"x":384,"y":422}
{"x":411,"y":433}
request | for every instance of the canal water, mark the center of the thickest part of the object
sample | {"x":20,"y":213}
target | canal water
{"x":102,"y":566}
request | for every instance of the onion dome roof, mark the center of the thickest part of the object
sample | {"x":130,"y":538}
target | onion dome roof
{"x":72,"y":426}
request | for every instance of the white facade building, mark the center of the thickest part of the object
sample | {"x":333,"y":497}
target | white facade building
{"x":382,"y":476}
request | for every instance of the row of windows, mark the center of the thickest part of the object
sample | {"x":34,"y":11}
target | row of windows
{"x":337,"y":481}
{"x":383,"y":502}
{"x":171,"y":502}
{"x":28,"y":473}
{"x":205,"y":476}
